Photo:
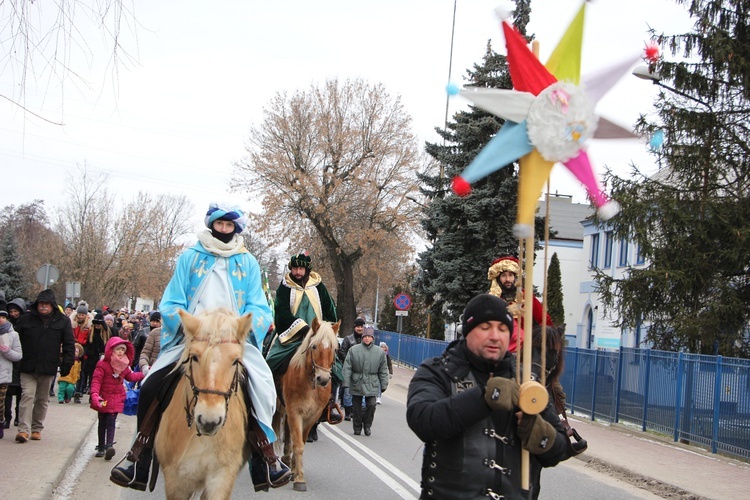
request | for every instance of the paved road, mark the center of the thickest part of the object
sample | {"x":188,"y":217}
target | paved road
{"x":380,"y":467}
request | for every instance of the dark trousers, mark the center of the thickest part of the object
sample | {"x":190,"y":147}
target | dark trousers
{"x":106,"y":429}
{"x":83,"y":382}
{"x":363,"y":416}
{"x":13,"y":390}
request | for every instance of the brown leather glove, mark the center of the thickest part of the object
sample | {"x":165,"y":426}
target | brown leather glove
{"x":537,"y":435}
{"x":501,"y":393}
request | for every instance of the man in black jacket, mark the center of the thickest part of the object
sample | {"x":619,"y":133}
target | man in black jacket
{"x":47,"y":342}
{"x":463,"y":405}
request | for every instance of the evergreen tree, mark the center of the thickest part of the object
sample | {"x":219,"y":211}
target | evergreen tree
{"x":466,"y":234}
{"x":416,"y":322}
{"x":11,"y":270}
{"x":691,"y":220}
{"x":555,"y":306}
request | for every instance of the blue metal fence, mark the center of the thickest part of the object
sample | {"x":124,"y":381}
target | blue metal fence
{"x":697,"y":399}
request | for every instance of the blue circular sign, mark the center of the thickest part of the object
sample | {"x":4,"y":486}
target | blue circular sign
{"x":402,"y":302}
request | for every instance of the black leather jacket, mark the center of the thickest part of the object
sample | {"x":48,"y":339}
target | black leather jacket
{"x":470,"y":450}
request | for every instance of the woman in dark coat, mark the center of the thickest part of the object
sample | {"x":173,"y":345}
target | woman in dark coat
{"x":94,"y":349}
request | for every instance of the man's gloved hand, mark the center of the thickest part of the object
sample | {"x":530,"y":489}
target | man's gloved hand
{"x":501,"y":393}
{"x":382,"y":389}
{"x":537,"y":435}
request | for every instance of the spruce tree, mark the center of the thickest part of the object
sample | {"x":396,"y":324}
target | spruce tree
{"x":11,"y":270}
{"x":691,"y":220}
{"x":555,"y":306}
{"x":466,"y":234}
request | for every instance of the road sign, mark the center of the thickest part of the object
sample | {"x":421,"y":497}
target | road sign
{"x":402,"y":313}
{"x":73,"y":289}
{"x":402,"y":302}
{"x":47,"y":275}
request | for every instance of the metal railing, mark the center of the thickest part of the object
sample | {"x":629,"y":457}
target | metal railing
{"x":697,"y":399}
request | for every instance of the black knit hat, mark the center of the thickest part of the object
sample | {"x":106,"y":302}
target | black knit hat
{"x":155,"y":316}
{"x":359,"y":322}
{"x":485,"y":307}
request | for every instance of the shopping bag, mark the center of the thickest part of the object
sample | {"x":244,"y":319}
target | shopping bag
{"x":131,"y":398}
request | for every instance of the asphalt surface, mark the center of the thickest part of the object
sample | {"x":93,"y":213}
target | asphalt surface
{"x":33,"y":470}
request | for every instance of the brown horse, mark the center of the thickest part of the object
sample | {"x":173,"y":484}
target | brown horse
{"x":306,"y":390}
{"x":201,"y":443}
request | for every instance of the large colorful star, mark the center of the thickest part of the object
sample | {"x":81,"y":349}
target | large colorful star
{"x":549,"y":117}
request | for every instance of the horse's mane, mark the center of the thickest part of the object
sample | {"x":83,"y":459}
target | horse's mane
{"x":214,"y":328}
{"x":324,"y":337}
{"x":554,"y":348}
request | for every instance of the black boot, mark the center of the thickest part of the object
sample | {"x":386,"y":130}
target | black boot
{"x":135,"y":476}
{"x":313,"y":434}
{"x":264,"y":476}
{"x":357,"y":419}
{"x":347,"y":413}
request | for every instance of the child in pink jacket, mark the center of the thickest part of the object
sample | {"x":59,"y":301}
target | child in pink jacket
{"x":108,"y":390}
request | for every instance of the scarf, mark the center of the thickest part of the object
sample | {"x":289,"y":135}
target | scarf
{"x":216,"y":247}
{"x":5,"y":327}
{"x":119,"y":364}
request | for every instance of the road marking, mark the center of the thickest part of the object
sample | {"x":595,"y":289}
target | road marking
{"x":403,"y":493}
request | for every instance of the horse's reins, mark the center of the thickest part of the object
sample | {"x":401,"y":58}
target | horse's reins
{"x":190,"y":404}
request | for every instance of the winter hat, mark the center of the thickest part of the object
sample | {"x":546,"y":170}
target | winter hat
{"x":359,"y":322}
{"x":47,"y":296}
{"x":69,"y":306}
{"x":82,"y":309}
{"x":223,"y":211}
{"x":109,"y":316}
{"x":485,"y":307}
{"x":99,"y":319}
{"x":369,"y":332}
{"x":3,"y":312}
{"x":18,"y":303}
{"x":155,"y":316}
{"x":302,"y":259}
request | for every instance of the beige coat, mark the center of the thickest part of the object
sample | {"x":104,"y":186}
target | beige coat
{"x":151,"y":348}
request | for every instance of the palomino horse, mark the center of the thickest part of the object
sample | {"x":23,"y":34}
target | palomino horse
{"x":200,"y":443}
{"x":306,"y":390}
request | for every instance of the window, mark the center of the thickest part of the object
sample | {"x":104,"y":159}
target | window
{"x":608,"y":243}
{"x":594,"y":258}
{"x":623,"y":256}
{"x":639,"y":258}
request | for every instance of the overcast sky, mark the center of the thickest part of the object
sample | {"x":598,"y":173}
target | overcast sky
{"x":176,"y":119}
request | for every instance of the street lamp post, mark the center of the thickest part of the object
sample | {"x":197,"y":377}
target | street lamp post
{"x":644,"y":73}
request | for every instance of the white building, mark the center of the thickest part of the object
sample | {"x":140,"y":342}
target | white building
{"x":582,"y":246}
{"x":565,"y":219}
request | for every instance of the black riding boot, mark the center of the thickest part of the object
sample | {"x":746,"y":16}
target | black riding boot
{"x":347,"y":413}
{"x":136,"y":475}
{"x":265,"y":475}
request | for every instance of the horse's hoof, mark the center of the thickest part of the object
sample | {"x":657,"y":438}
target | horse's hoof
{"x":300,"y":486}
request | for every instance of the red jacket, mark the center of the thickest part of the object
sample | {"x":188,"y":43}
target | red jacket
{"x":104,"y":383}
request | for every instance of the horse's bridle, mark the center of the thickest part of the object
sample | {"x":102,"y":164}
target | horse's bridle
{"x":190,"y":404}
{"x":314,"y":366}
